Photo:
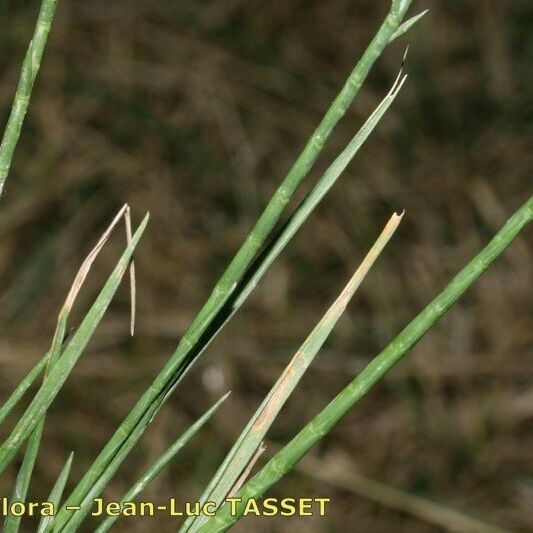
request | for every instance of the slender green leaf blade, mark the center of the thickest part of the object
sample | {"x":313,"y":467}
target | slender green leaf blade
{"x":55,"y":495}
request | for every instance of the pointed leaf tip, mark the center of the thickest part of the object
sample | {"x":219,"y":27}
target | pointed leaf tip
{"x":407,"y":25}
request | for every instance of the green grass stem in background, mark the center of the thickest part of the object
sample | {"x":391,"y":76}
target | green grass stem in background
{"x":343,"y":474}
{"x":30,"y":68}
{"x":320,"y":425}
{"x":225,"y":481}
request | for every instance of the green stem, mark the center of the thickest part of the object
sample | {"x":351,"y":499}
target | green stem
{"x":289,"y":455}
{"x":30,"y":68}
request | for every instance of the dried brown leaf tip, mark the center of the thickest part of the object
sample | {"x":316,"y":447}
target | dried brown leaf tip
{"x":133,"y":289}
{"x":123,"y":212}
{"x":246,"y":472}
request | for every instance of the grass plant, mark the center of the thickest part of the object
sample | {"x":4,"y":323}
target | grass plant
{"x":269,"y":236}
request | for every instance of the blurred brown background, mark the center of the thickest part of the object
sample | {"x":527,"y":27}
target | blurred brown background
{"x":194,"y":111}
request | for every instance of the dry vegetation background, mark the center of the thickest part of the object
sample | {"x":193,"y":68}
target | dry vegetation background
{"x":194,"y":110}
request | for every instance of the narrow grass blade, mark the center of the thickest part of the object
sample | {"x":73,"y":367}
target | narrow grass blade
{"x":56,"y":494}
{"x":158,"y":466}
{"x":315,"y":196}
{"x":60,"y":371}
{"x":79,"y":279}
{"x":186,"y":354}
{"x":289,"y":455}
{"x":20,"y":490}
{"x":30,"y":68}
{"x":345,"y":476}
{"x":407,"y":25}
{"x":256,"y":429}
{"x":22,"y":387}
